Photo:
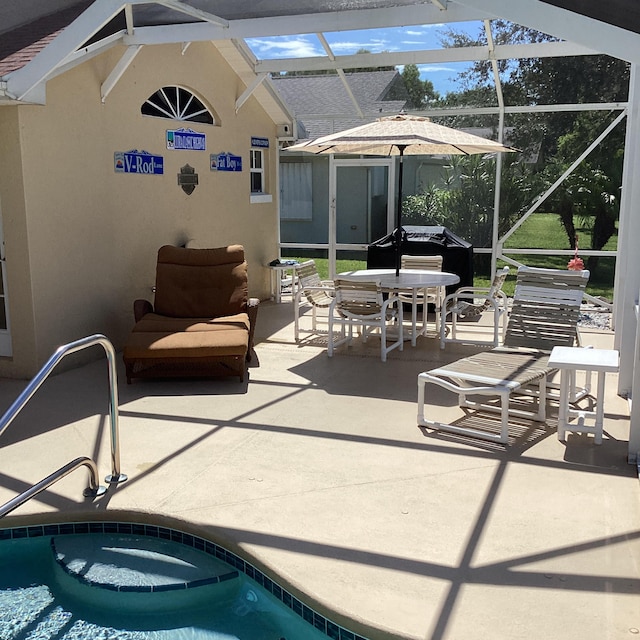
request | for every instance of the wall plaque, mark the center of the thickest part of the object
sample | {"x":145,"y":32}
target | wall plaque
{"x":188,"y":179}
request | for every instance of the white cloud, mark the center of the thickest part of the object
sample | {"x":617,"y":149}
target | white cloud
{"x":347,"y":47}
{"x":284,"y":48}
{"x":431,"y":68}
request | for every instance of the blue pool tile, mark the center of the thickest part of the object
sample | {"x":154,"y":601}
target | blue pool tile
{"x":228,"y":576}
{"x":51,"y":529}
{"x":5,"y":534}
{"x":333,"y":630}
{"x":138,"y":529}
{"x":19,"y":532}
{"x":151,"y":531}
{"x":81,"y":527}
{"x":307,"y":613}
{"x":164,"y":533}
{"x":346,"y":635}
{"x":111,"y":527}
{"x":96,"y":527}
{"x":187,"y":539}
{"x":169,"y":587}
{"x":125,"y":528}
{"x":35,"y":532}
{"x":319,"y":622}
{"x":202,"y":582}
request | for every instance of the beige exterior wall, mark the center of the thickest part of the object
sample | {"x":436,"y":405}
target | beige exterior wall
{"x":81,"y":239}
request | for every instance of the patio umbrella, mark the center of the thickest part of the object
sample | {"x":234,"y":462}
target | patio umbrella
{"x":401,"y":135}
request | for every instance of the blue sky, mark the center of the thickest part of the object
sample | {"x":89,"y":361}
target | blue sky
{"x":374,"y":40}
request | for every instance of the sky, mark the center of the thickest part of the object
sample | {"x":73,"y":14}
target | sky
{"x":412,"y":38}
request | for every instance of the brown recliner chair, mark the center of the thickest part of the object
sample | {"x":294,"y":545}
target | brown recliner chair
{"x":203,"y":321}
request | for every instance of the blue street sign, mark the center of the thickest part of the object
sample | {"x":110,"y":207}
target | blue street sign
{"x":259,"y":142}
{"x":186,"y":139}
{"x":135,"y":161}
{"x":225,"y":162}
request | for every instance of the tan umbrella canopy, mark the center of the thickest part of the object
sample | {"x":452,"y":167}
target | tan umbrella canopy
{"x":401,"y":135}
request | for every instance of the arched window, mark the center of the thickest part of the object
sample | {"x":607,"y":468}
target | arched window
{"x":176,"y":103}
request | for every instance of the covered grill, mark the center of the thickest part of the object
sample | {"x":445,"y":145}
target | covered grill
{"x":457,"y":254}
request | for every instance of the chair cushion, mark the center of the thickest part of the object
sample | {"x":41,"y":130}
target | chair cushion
{"x":201,"y":283}
{"x":148,"y":345}
{"x":156,"y":323}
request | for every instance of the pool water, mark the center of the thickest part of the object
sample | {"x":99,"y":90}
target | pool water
{"x":115,"y":586}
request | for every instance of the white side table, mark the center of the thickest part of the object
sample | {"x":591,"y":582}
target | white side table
{"x":278,"y":273}
{"x":572,"y":359}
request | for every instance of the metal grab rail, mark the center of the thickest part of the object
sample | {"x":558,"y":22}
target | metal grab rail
{"x":94,"y":489}
{"x":41,"y":376}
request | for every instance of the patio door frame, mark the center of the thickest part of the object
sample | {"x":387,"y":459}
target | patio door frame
{"x":5,"y":334}
{"x":334,"y":166}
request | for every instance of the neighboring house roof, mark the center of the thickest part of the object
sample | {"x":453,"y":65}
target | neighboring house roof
{"x":323,"y":105}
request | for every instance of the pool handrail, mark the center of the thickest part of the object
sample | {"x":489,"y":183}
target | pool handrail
{"x":47,"y":368}
{"x":94,"y":489}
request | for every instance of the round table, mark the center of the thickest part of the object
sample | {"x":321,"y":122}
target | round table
{"x":414,"y":279}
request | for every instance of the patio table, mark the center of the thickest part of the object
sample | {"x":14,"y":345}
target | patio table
{"x":413,"y":279}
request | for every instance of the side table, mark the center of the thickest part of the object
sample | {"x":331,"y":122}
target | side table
{"x":280,"y":272}
{"x":572,"y":359}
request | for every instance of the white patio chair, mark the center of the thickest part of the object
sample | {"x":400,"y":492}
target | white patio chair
{"x":361,"y":304}
{"x":431,"y":295}
{"x":310,"y":290}
{"x":472,"y":302}
{"x":544,"y":314}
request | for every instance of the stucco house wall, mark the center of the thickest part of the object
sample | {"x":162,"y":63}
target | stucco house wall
{"x":81,"y":239}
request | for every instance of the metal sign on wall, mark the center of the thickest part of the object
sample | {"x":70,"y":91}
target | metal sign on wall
{"x":225,"y":161}
{"x":259,"y":142}
{"x":135,"y":161}
{"x":186,"y":139}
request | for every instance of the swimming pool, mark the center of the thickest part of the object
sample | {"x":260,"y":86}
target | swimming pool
{"x":128,"y":581}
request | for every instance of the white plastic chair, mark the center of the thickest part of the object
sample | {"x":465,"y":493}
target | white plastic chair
{"x":431,"y":295}
{"x":471,"y":302}
{"x":361,"y":303}
{"x":316,"y":292}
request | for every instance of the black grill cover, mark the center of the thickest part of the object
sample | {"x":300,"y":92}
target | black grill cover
{"x":457,"y":254}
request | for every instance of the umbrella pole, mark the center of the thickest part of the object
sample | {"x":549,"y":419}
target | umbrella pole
{"x":401,"y":148}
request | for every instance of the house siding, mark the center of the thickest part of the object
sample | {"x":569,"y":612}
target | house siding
{"x":81,"y":240}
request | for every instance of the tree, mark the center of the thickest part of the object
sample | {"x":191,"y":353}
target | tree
{"x":557,"y":139}
{"x":421,"y":92}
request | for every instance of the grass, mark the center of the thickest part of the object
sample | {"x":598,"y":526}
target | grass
{"x":539,"y":231}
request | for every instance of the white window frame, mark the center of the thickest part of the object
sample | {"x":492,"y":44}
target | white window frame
{"x":258,"y":196}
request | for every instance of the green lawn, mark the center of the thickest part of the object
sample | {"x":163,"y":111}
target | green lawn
{"x":540,"y":231}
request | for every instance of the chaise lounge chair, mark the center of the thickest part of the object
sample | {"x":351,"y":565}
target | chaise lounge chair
{"x":544,"y":314}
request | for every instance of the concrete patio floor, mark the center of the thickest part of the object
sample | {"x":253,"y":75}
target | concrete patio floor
{"x":316,"y":472}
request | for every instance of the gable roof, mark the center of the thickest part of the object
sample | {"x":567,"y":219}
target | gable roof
{"x":323,"y":104}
